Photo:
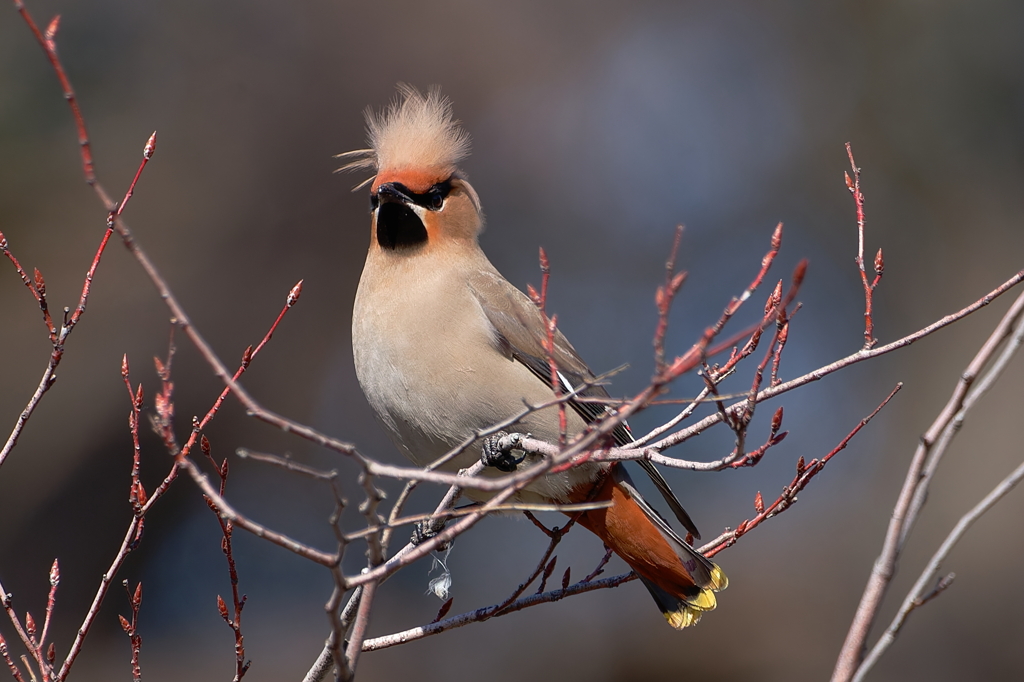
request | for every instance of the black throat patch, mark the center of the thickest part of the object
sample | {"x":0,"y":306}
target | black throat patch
{"x":399,"y":226}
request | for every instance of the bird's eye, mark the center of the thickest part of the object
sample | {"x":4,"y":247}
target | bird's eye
{"x":436,"y":201}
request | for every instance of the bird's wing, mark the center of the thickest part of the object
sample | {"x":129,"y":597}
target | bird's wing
{"x":520,"y":334}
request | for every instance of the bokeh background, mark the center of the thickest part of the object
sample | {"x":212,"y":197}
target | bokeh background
{"x":597,"y":127}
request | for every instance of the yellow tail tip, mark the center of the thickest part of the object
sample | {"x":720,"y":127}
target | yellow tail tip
{"x":684,"y":617}
{"x":689,"y":612}
{"x":719,"y":580}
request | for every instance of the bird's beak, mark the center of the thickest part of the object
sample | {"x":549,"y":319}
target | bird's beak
{"x":393,"y":193}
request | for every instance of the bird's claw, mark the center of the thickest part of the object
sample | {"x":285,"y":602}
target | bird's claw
{"x":426,"y":530}
{"x":497,"y":451}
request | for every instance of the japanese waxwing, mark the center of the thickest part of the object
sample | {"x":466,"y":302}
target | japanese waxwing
{"x":444,"y":346}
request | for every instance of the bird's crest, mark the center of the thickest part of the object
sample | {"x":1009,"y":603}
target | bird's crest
{"x":415,"y":139}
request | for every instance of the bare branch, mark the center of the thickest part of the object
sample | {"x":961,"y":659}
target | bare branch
{"x":900,"y":522}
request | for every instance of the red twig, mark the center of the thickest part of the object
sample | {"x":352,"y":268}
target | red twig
{"x":869,"y":288}
{"x":27,"y":634}
{"x":131,"y":627}
{"x":804,"y":474}
{"x":766,"y":264}
{"x":663,"y":300}
{"x":46,"y":41}
{"x":11,"y":665}
{"x":36,"y":285}
{"x":38,"y":288}
{"x":247,"y":355}
{"x":238,"y":602}
{"x":550,"y":325}
{"x":599,"y":569}
{"x":51,"y":601}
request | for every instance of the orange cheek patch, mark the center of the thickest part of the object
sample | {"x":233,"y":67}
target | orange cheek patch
{"x":415,"y":179}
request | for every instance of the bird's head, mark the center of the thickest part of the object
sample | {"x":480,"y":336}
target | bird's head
{"x":418,"y":195}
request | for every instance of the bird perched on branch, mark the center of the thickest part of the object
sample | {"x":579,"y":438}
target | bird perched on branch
{"x":445,"y":346}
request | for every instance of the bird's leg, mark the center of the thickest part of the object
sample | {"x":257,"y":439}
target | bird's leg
{"x":428,"y":528}
{"x":497,"y":451}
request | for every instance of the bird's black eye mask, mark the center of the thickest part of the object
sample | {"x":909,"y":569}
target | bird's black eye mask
{"x":432,"y":199}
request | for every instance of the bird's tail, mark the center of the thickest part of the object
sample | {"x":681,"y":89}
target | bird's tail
{"x":681,"y":580}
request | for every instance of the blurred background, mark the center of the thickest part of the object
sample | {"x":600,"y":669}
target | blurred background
{"x":597,"y":127}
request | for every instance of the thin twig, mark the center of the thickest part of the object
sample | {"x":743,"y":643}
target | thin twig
{"x":485,"y":612}
{"x":884,"y":567}
{"x":918,"y":594}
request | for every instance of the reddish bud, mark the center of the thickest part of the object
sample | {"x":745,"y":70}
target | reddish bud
{"x":534,"y":296}
{"x":222,"y":608}
{"x":137,"y":597}
{"x":140,"y":493}
{"x":677,"y":282}
{"x":740,"y":529}
{"x":124,"y":366}
{"x":776,"y":421}
{"x":800,"y":273}
{"x":147,"y":152}
{"x":565,"y":579}
{"x":550,"y":568}
{"x":800,"y":466}
{"x":759,"y":503}
{"x":51,"y":29}
{"x":138,"y":397}
{"x":224,"y":468}
{"x":445,"y":608}
{"x":30,"y":624}
{"x":125,"y":625}
{"x":247,"y":356}
{"x":544,"y":266}
{"x":293,"y":295}
{"x":849,"y":181}
{"x":659,"y":299}
{"x":777,"y":237}
{"x":204,"y":443}
{"x":161,"y":371}
{"x":40,"y":282}
{"x":51,"y":653}
{"x":879,"y":263}
{"x":54,"y":574}
{"x":773,"y":298}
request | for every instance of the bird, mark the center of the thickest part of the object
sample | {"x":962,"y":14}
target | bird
{"x":445,"y":346}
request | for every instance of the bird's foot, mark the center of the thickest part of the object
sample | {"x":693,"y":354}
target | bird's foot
{"x":497,"y":451}
{"x":427,"y":529}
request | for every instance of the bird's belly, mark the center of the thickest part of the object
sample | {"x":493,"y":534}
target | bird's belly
{"x":430,"y":400}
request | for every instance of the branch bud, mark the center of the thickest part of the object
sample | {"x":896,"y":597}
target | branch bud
{"x":51,"y":29}
{"x":147,"y":152}
{"x":293,"y":295}
{"x":40,"y":283}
